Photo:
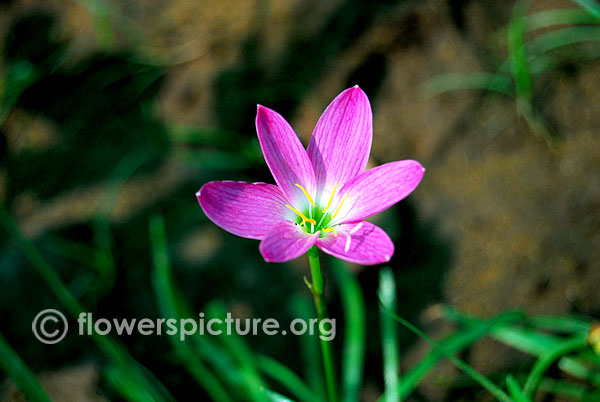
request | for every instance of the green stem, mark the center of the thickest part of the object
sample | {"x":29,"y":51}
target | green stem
{"x":316,"y":288}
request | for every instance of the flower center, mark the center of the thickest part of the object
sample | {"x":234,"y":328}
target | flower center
{"x":319,"y":219}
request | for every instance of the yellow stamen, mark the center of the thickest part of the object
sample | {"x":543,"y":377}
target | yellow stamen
{"x":327,"y":230}
{"x":301,"y":215}
{"x":331,"y":198}
{"x":340,"y":207}
{"x":306,"y":194}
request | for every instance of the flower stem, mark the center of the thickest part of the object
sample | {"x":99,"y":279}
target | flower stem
{"x":316,"y":288}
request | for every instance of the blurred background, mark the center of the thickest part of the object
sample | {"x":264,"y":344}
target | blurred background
{"x":115,"y":113}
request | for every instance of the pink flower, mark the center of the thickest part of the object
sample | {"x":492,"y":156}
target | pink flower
{"x":323,"y":194}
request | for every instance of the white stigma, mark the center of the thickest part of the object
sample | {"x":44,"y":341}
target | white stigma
{"x":356,"y":228}
{"x":348,"y":240}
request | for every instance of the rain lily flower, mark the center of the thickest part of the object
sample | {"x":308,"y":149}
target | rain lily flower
{"x":323,"y":193}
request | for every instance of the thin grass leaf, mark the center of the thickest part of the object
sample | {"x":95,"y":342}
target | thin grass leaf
{"x":309,"y":348}
{"x":547,"y":359}
{"x":162,"y":280}
{"x":285,"y":377}
{"x":353,"y":356}
{"x":579,"y":370}
{"x":590,"y":6}
{"x":274,"y":396}
{"x":239,"y":350}
{"x":111,"y":348}
{"x":453,"y":344}
{"x":101,"y":224}
{"x":564,"y":37}
{"x":551,"y":18}
{"x":476,"y":376}
{"x":517,"y":55}
{"x":77,"y":252}
{"x":19,"y":77}
{"x":460,"y":81}
{"x":563,"y":388}
{"x":515,"y":390}
{"x":389,"y":338}
{"x":562,"y":324}
{"x":531,"y":342}
{"x":23,"y":377}
{"x":126,"y":386}
{"x":173,"y":305}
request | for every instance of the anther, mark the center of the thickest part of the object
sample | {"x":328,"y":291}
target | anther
{"x":301,"y":215}
{"x":340,"y":207}
{"x":330,"y":198}
{"x":307,"y":195}
{"x":327,"y":230}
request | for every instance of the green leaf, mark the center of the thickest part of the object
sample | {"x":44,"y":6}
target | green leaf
{"x":551,"y":18}
{"x":453,"y":344}
{"x":274,"y":396}
{"x":285,"y":377}
{"x":459,"y":81}
{"x":239,"y":350}
{"x":547,"y":359}
{"x":389,"y":338}
{"x":590,"y":6}
{"x":519,"y":65}
{"x":353,"y":355}
{"x":563,"y":324}
{"x":441,"y":348}
{"x":170,"y":307}
{"x":112,"y":349}
{"x":16,"y":368}
{"x":515,"y":390}
{"x":564,"y":37}
{"x":309,"y":345}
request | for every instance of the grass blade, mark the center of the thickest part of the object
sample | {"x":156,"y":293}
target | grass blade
{"x":353,"y":355}
{"x":519,"y":65}
{"x":477,"y":377}
{"x":111,"y":348}
{"x":551,"y":18}
{"x":458,"y":81}
{"x":547,"y":359}
{"x":452,"y":344}
{"x":274,"y":396}
{"x":166,"y":295}
{"x":564,"y":324}
{"x":16,"y":368}
{"x":590,"y":6}
{"x":311,"y":354}
{"x":515,"y":390}
{"x":286,"y":377}
{"x":389,"y":338}
{"x":239,"y":350}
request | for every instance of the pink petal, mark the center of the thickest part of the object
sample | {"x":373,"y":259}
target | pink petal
{"x":285,"y":155}
{"x":379,"y":188}
{"x":246,"y":210}
{"x":341,"y":142}
{"x":359,"y":242}
{"x":286,"y":241}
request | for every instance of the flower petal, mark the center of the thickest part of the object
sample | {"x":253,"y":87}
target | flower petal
{"x":246,"y":210}
{"x":286,"y":241}
{"x":341,"y":142}
{"x":379,"y":188}
{"x":359,"y":242}
{"x":286,"y":157}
